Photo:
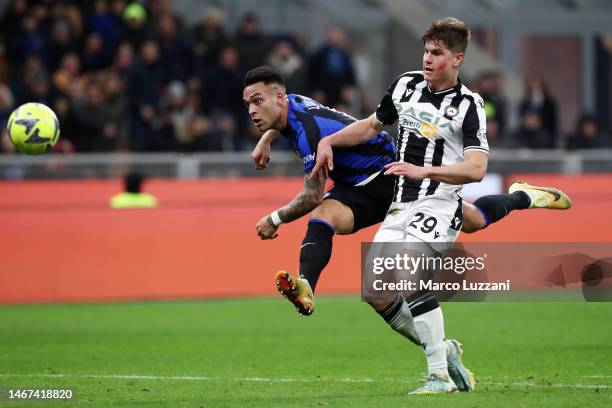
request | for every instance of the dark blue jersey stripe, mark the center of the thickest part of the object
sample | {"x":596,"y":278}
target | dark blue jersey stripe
{"x":309,"y":122}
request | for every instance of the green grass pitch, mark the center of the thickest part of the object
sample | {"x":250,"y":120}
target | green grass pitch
{"x":259,"y":353}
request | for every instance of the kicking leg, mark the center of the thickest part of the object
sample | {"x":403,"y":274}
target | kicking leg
{"x":329,"y":217}
{"x":492,"y":208}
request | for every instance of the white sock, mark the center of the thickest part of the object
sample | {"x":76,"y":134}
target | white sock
{"x":430,"y":329}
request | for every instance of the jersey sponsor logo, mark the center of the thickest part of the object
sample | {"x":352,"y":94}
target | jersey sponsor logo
{"x":309,"y":158}
{"x":423,"y":128}
{"x":424,"y":116}
{"x":428,"y":130}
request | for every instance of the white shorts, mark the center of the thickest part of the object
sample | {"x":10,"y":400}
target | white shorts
{"x":436,"y":220}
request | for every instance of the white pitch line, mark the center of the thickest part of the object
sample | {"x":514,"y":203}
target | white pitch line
{"x":309,"y":380}
{"x":530,"y":384}
{"x":201,"y":378}
{"x":596,"y":376}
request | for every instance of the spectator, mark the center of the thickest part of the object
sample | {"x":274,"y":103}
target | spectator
{"x":74,"y":16}
{"x":588,"y":134}
{"x":117,"y":102}
{"x":537,"y":100}
{"x":123,"y":62}
{"x":532,"y":134}
{"x":225,"y":84}
{"x":196,"y":136}
{"x":174,"y":103}
{"x":32,"y":66}
{"x":67,"y":73}
{"x":31,"y":41}
{"x":224,"y":133}
{"x":148,"y":77}
{"x":291,"y":65}
{"x":12,"y":30}
{"x":252,"y":44}
{"x":4,"y":66}
{"x":331,"y":69}
{"x":117,"y":8}
{"x":7,"y":104}
{"x":39,"y":89}
{"x":135,"y":29}
{"x":69,"y":127}
{"x":489,"y":86}
{"x":96,"y":54}
{"x":146,"y":87}
{"x":61,"y":43}
{"x":209,"y":36}
{"x":175,"y":54}
{"x":103,"y":23}
{"x":94,"y":117}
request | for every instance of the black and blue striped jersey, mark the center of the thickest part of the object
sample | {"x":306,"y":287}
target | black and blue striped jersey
{"x":308,"y":122}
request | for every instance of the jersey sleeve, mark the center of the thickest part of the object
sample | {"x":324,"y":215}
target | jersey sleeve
{"x":475,"y":127}
{"x":386,"y":113}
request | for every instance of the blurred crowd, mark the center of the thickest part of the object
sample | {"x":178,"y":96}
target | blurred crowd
{"x":537,"y":124}
{"x":131,"y":76}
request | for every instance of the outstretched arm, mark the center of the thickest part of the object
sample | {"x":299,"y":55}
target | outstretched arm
{"x":303,"y":203}
{"x":471,"y":170}
{"x":352,"y":135}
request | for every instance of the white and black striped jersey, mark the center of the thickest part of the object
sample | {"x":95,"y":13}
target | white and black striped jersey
{"x":435,"y":128}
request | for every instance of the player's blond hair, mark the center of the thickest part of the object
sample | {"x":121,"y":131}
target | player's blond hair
{"x":452,"y":32}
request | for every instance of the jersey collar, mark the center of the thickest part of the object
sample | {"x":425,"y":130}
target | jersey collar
{"x":447,"y":91}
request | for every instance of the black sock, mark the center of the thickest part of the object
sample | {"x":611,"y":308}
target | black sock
{"x":422,"y":302}
{"x":393,"y":309}
{"x":496,"y":207}
{"x":316,"y":250}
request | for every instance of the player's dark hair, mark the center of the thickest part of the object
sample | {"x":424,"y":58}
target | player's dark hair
{"x":453,"y":33}
{"x":265,"y":74}
{"x":133,"y":182}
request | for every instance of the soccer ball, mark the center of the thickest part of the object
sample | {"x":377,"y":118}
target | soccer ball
{"x":33,"y":128}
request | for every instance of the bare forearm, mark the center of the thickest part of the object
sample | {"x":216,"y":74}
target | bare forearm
{"x":269,"y":136}
{"x":302,"y":204}
{"x":458,"y":173}
{"x":355,"y":133}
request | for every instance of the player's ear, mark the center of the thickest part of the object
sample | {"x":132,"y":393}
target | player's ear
{"x":458,"y":59}
{"x":280,"y":96}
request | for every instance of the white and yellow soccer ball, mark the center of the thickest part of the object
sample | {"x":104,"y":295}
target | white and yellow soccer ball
{"x":33,"y":128}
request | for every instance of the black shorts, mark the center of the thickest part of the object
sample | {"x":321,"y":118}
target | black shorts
{"x":369,"y":203}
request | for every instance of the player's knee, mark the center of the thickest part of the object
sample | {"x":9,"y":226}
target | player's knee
{"x":473,"y":220}
{"x":379,"y":305}
{"x":335,"y":216}
{"x":325,"y":216}
{"x":469,"y":227}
